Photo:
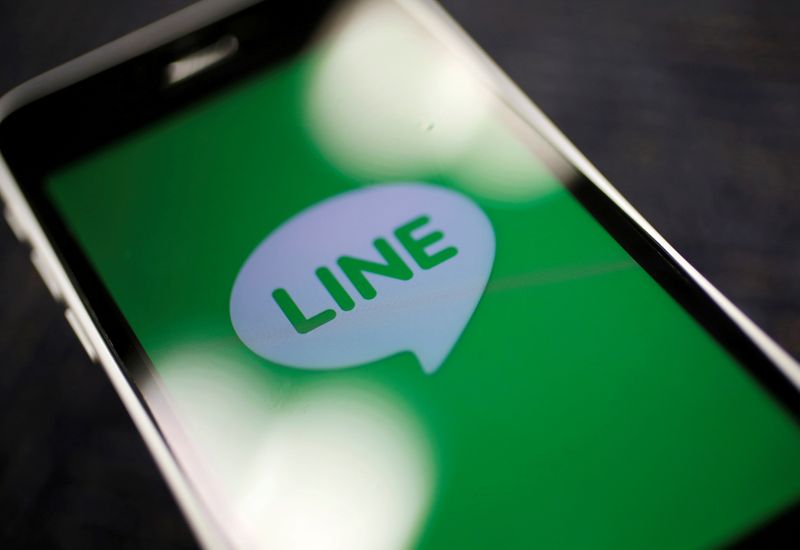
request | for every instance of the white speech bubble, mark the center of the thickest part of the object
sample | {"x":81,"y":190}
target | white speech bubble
{"x":306,"y":299}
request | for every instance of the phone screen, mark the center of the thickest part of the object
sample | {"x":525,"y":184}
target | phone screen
{"x":379,"y":317}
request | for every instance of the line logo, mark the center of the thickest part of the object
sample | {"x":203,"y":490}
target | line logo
{"x":364,"y":275}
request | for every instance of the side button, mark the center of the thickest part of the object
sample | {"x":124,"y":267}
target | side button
{"x":72,"y":319}
{"x":46,"y":274}
{"x":14,"y":223}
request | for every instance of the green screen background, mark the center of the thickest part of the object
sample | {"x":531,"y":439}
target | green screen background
{"x":581,"y":406}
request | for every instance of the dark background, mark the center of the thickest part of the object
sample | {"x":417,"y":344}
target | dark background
{"x":691,"y":110}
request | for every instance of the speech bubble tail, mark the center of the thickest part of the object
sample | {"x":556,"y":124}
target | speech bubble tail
{"x":429,"y":362}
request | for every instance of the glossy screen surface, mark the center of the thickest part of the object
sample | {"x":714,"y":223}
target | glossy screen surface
{"x":575,"y":403}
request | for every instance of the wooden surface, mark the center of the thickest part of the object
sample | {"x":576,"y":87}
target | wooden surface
{"x":692,"y":111}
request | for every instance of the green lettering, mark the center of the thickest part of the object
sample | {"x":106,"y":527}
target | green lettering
{"x":416,"y":246}
{"x":299,"y":321}
{"x":335,"y":289}
{"x":355,"y":269}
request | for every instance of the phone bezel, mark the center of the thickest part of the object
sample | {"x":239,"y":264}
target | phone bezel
{"x":49,"y":124}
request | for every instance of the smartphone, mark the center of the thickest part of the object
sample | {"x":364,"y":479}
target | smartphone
{"x":356,"y":291}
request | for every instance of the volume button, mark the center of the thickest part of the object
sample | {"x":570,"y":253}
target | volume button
{"x":14,"y":223}
{"x":83,"y":338}
{"x":46,"y":274}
